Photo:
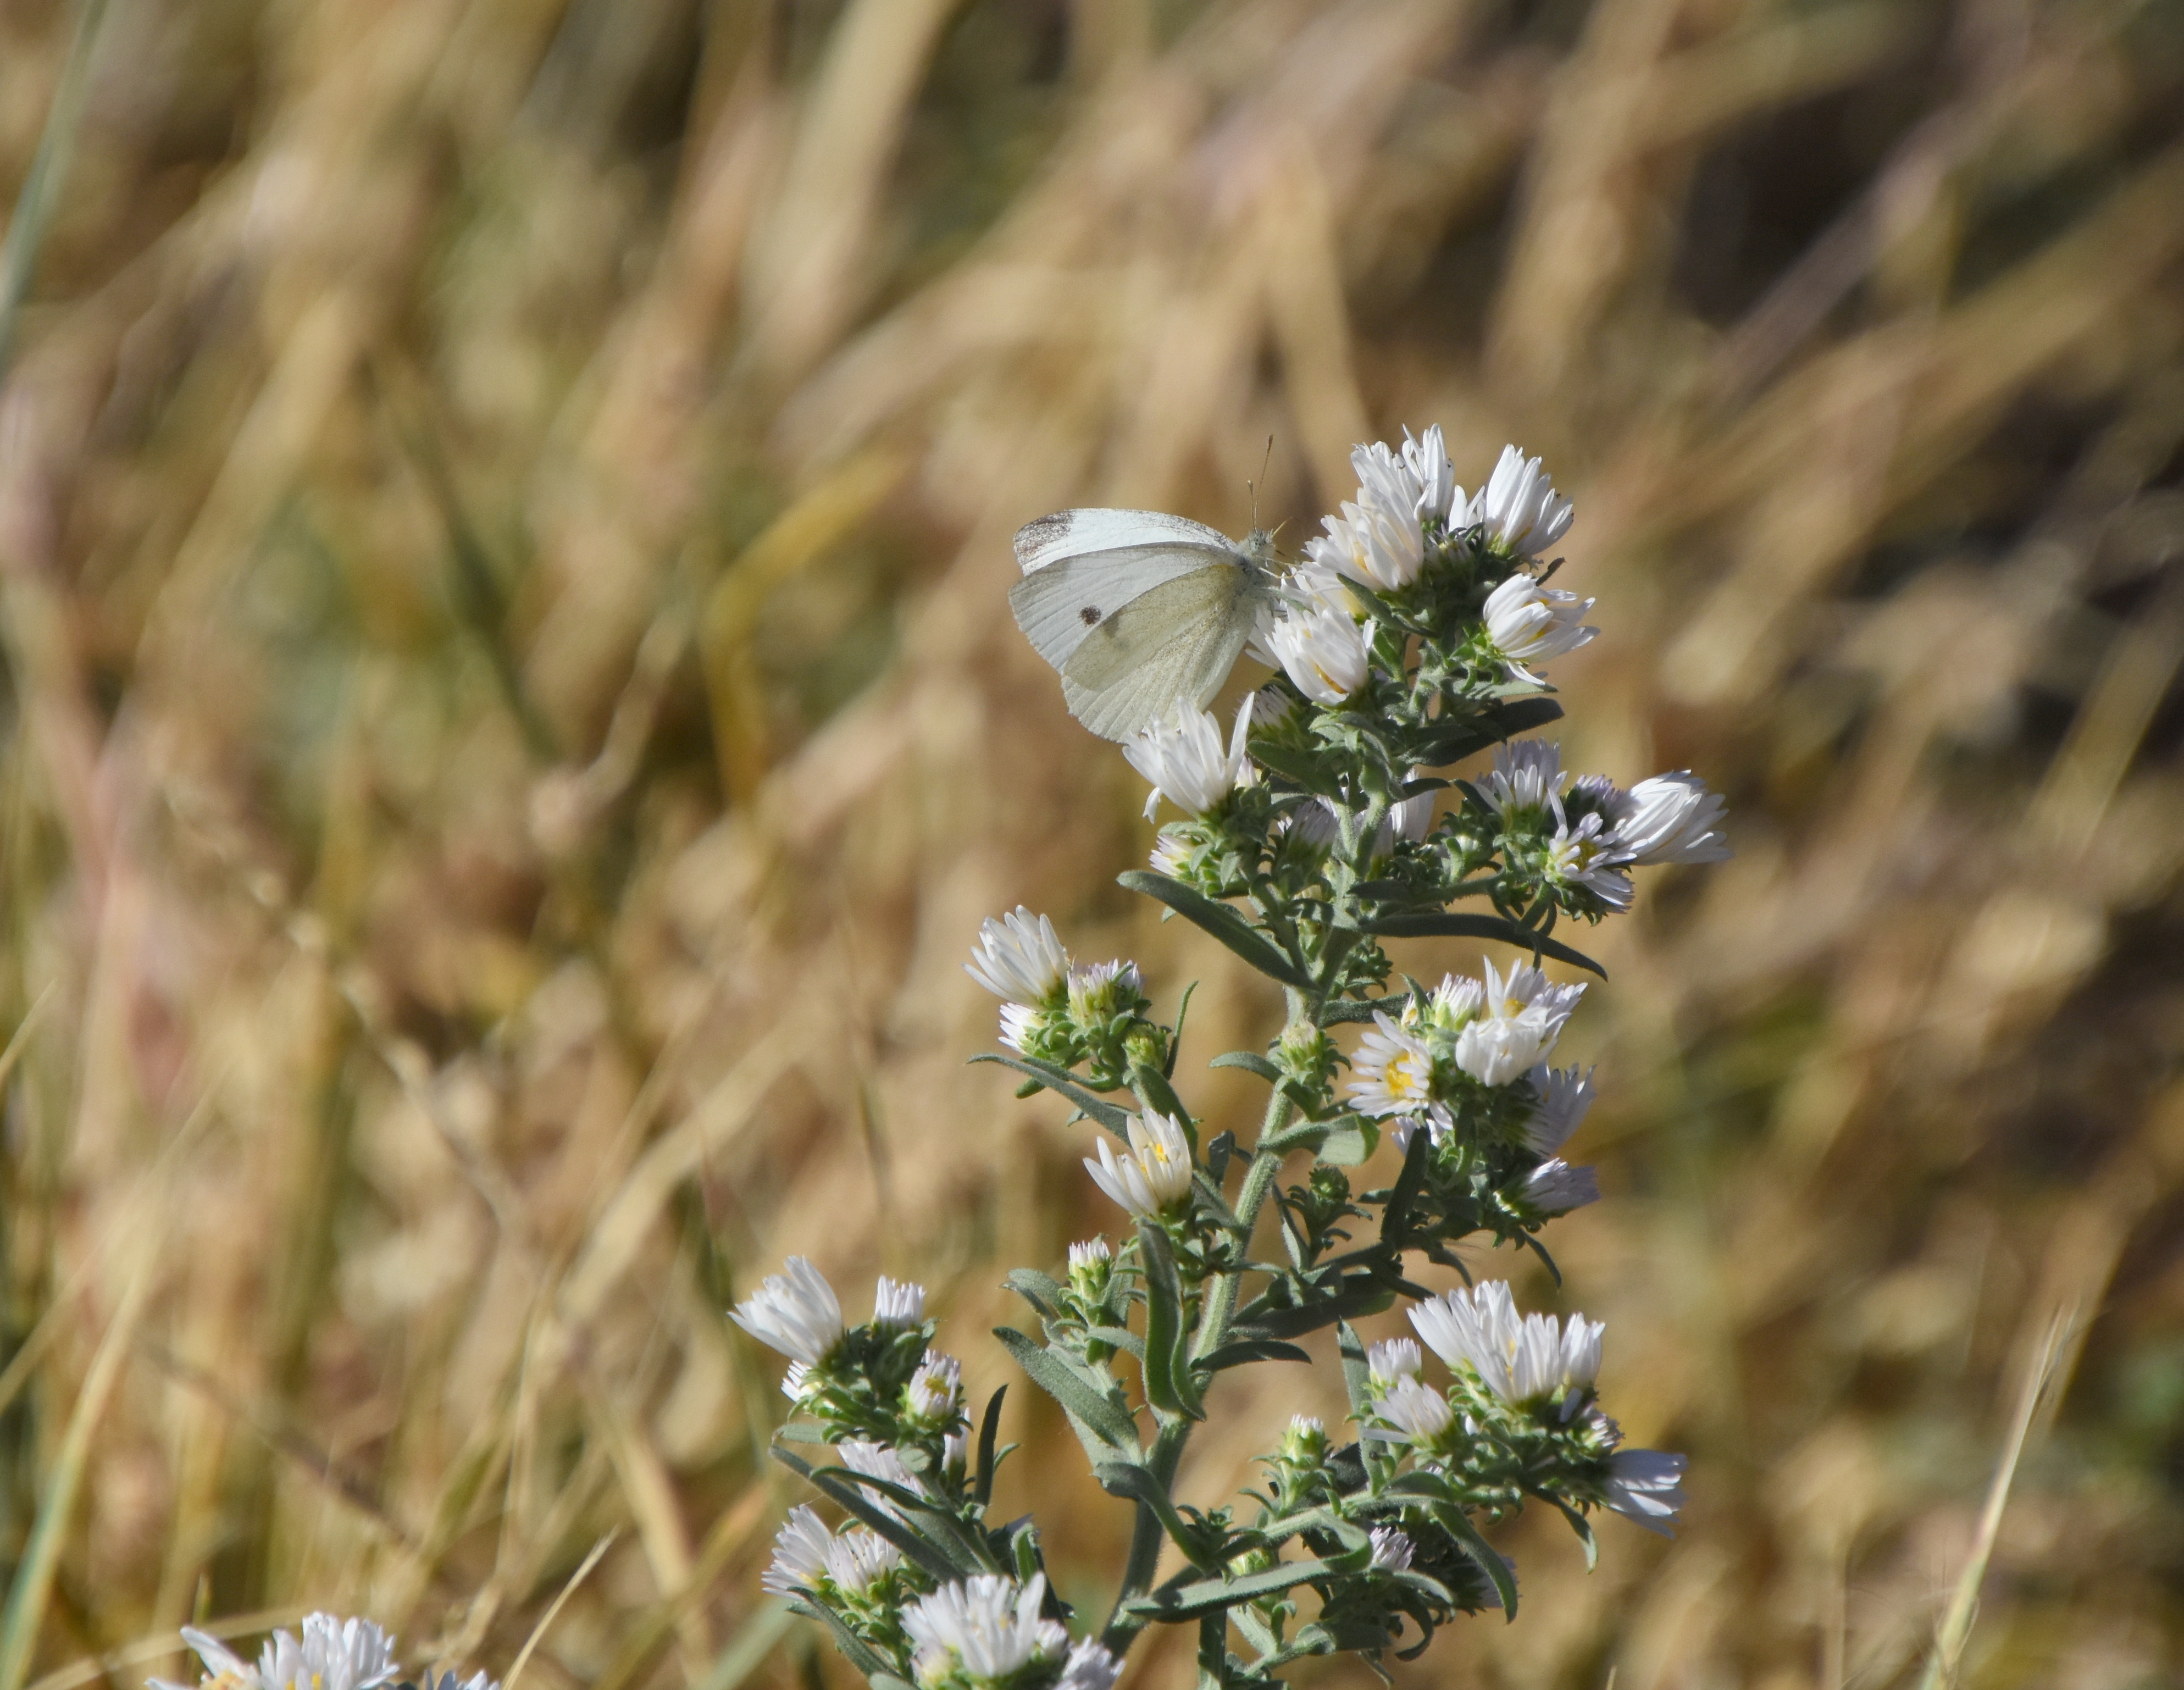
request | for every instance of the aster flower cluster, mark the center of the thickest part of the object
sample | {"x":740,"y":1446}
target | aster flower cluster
{"x":332,"y":1655}
{"x":1373,"y":781}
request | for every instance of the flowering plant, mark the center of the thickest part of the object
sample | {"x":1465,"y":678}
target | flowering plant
{"x":1408,"y":639}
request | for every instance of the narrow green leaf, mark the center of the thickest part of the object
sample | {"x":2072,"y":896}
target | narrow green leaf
{"x":1396,"y":1218}
{"x":1294,"y":1323}
{"x":1120,"y":1337}
{"x":1501,"y":928}
{"x":1355,"y":1370}
{"x":1168,"y":1384}
{"x":1458,"y":1525}
{"x":1101,"y":1412}
{"x":930,"y":1556}
{"x":1175,"y":1040}
{"x":1155,"y":1092}
{"x":1111,"y":1116}
{"x":989,"y":1430}
{"x":1224,"y":923}
{"x":1250,"y":1060}
{"x":1583,"y":1527}
{"x":1126,"y":1479}
{"x":1041,"y":1291}
{"x":859,"y":1653}
{"x":1211,"y":1596}
{"x":1351,"y":1144}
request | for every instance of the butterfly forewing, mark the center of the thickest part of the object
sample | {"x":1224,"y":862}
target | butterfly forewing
{"x":1085,"y":533}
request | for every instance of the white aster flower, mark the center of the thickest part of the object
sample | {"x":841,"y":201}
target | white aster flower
{"x":1017,"y":1022}
{"x":954,"y":1451}
{"x":1155,"y":1175}
{"x":1392,"y":1550}
{"x":793,"y":1381}
{"x":1019,"y":958}
{"x":1525,"y":780}
{"x":1581,"y":854}
{"x":1416,"y":1411}
{"x":1525,"y":1017}
{"x":799,"y":1554}
{"x":1518,"y":507}
{"x":858,"y":1559}
{"x":1170,"y":856}
{"x":1426,"y":460}
{"x":1556,"y":1188}
{"x":1394,"y":1358}
{"x":1097,"y":989}
{"x":332,"y":1655}
{"x":898,"y":1303}
{"x":935,"y":1390}
{"x":1392,"y":1074}
{"x":986,"y":1627}
{"x":1091,"y":1666}
{"x":1092,"y":1253}
{"x":1668,"y":818}
{"x":1520,"y":1358}
{"x":450,"y":1680}
{"x":1185,"y":761}
{"x":1647,"y":1486}
{"x":1322,"y":648}
{"x":1409,"y":818}
{"x":877,"y":1461}
{"x":1529,"y":623}
{"x":794,"y":1311}
{"x":1561,"y":1096}
{"x":1452,"y":1004}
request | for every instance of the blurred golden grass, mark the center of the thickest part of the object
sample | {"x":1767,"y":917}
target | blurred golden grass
{"x":513,"y":724}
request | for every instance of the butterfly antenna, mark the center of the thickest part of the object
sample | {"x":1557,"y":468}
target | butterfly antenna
{"x":1252,"y":487}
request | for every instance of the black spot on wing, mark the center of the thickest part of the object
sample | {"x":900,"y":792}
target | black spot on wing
{"x":1091,"y":615}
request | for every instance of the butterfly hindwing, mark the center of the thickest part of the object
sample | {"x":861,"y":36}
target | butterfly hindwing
{"x":1175,"y":642}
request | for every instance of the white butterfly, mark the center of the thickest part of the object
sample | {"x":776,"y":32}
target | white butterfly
{"x":1138,"y":610}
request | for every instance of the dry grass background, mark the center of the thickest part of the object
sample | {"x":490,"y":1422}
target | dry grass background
{"x":512,"y":723}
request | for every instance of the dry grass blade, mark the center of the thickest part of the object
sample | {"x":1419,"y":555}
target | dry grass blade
{"x":597,"y":1553}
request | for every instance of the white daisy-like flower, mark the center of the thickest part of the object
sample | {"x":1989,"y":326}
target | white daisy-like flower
{"x":1426,"y":460}
{"x":1092,"y":1665}
{"x":799,"y":1554}
{"x":1647,"y":1486}
{"x":1451,"y":1004}
{"x":332,"y":1655}
{"x":1520,"y":1358}
{"x":1556,"y":1188}
{"x":1518,"y":507}
{"x":986,"y":1627}
{"x":1322,"y":648}
{"x":1019,"y":957}
{"x":1561,"y":1096}
{"x":793,"y":1381}
{"x":451,"y":1680}
{"x":898,"y":1303}
{"x":1668,"y":818}
{"x":1391,"y":1074}
{"x":1091,"y":1254}
{"x":1523,"y":1016}
{"x":1525,"y":780}
{"x":1017,"y":1022}
{"x":1392,"y":1550}
{"x":1378,"y":540}
{"x":1528,"y":623}
{"x":935,"y":1390}
{"x":1394,"y":1358}
{"x":1154,"y":1175}
{"x":858,"y":1559}
{"x":1407,"y":818}
{"x":1097,"y":989}
{"x":1184,"y":758}
{"x":1583,"y":854}
{"x":1170,"y":855}
{"x":1418,"y":1412}
{"x":877,"y":1461}
{"x":794,"y":1311}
